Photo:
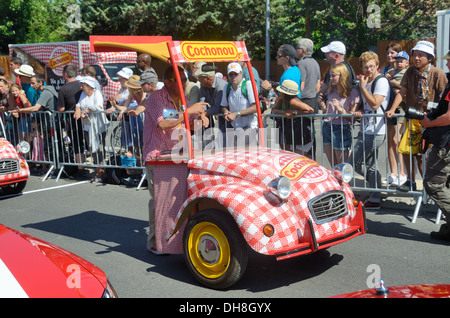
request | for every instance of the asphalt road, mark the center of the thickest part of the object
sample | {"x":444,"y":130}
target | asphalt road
{"x":106,"y":224}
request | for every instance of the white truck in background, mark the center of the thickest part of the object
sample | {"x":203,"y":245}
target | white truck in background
{"x":443,"y":38}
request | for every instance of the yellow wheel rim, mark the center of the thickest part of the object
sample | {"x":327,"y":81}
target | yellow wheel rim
{"x":209,"y":250}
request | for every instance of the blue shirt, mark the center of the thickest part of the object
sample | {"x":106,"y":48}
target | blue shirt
{"x":31,"y":93}
{"x":293,"y":74}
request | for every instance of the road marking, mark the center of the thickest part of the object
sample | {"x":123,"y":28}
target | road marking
{"x":57,"y":187}
{"x":45,"y":189}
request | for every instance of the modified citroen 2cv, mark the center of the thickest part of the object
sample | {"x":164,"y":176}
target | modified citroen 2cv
{"x":212,"y":205}
{"x":14,"y":170}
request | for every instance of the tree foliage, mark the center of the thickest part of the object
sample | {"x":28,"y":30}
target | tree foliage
{"x":351,"y":21}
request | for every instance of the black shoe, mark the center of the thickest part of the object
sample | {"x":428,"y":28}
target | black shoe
{"x":443,"y":234}
{"x":405,"y":187}
{"x":80,"y":175}
{"x":372,"y":205}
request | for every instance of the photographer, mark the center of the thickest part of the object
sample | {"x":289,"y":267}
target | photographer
{"x":421,"y":84}
{"x":437,"y":175}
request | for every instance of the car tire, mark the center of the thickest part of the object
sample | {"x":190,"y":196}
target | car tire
{"x":14,"y":188}
{"x":214,"y":249}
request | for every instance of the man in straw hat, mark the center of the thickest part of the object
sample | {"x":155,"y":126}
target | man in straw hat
{"x":290,"y":105}
{"x":25,"y":73}
{"x":437,"y":174}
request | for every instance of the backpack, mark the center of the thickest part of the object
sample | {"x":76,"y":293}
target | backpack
{"x":263,"y":105}
{"x":391,"y":94}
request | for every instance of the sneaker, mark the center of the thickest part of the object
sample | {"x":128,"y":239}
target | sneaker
{"x":155,"y":252}
{"x":389,"y":180}
{"x":407,"y":186}
{"x":81,"y":174}
{"x":372,"y":205}
{"x":396,"y":183}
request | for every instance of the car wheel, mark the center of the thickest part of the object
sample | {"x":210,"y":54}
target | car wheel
{"x":214,"y":249}
{"x":14,"y":188}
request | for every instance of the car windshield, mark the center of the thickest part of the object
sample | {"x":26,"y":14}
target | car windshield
{"x":113,"y":68}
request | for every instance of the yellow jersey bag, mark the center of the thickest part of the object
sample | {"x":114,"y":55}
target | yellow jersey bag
{"x":412,"y":132}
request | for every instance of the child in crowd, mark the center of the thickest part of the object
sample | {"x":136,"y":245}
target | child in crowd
{"x":341,"y":99}
{"x":20,"y":101}
{"x":37,"y":138}
{"x":394,"y":131}
{"x":395,"y":76}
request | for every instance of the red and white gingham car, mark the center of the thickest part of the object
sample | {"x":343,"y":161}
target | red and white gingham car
{"x":14,"y":170}
{"x":212,"y":207}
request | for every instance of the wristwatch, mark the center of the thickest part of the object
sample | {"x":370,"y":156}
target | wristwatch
{"x":238,"y":114}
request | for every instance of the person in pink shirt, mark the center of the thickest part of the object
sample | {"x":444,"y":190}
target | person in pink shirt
{"x":158,"y":132}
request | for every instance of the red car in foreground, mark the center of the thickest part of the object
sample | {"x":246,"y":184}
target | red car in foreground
{"x":406,"y":291}
{"x":33,"y":268}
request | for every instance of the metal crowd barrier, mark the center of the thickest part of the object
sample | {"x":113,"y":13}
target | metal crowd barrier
{"x":60,"y":142}
{"x":358,"y":183}
{"x":39,"y":131}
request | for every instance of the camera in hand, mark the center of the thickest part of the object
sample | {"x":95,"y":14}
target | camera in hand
{"x":414,"y":113}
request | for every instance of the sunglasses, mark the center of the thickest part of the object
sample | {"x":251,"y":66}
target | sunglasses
{"x":183,"y":79}
{"x":279,"y":55}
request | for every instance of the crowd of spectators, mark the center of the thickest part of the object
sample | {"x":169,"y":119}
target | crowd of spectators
{"x":384,"y":91}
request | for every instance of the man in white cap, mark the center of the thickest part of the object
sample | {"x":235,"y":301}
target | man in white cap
{"x":421,"y":85}
{"x":25,"y":73}
{"x":334,"y":54}
{"x":238,"y":101}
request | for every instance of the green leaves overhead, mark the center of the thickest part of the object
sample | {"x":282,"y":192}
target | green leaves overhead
{"x":360,"y":24}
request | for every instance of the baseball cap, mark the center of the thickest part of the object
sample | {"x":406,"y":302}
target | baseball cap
{"x":147,"y":76}
{"x":125,"y":72}
{"x":206,"y":70}
{"x":88,"y":80}
{"x":234,"y":67}
{"x":335,"y":46}
{"x":402,"y":54}
{"x":289,"y":50}
{"x":424,"y":46}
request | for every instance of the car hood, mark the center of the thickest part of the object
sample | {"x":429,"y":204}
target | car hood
{"x":7,"y":150}
{"x":33,"y":268}
{"x":406,"y":291}
{"x":261,"y":165}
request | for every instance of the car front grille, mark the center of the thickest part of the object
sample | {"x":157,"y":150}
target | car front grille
{"x":328,"y":206}
{"x":9,"y":166}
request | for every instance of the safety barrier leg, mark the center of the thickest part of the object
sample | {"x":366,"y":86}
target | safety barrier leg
{"x":438,"y":216}
{"x":144,"y":175}
{"x":48,"y":173}
{"x":417,"y":209}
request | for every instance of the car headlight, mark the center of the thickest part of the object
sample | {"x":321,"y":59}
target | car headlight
{"x":23,"y":147}
{"x":343,"y":172}
{"x":109,"y":291}
{"x":283,"y":186}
